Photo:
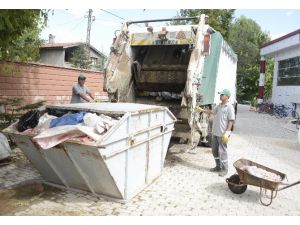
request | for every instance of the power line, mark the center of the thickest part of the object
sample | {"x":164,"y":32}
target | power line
{"x":77,"y":24}
{"x":61,"y":24}
{"x":113,"y":14}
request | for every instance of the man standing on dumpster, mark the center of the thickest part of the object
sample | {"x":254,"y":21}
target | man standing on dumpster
{"x":224,"y":117}
{"x":80,"y":92}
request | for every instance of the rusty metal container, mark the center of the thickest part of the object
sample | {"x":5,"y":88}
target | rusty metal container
{"x":123,"y":162}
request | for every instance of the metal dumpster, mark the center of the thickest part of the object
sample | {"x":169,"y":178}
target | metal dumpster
{"x":123,"y":162}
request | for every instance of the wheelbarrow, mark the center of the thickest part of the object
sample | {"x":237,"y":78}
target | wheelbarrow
{"x":237,"y":183}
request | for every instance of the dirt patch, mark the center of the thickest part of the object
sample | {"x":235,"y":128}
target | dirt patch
{"x":20,"y":198}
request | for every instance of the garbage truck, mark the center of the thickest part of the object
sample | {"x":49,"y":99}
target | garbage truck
{"x":178,"y":66}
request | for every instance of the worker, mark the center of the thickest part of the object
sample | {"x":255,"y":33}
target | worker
{"x":80,"y":92}
{"x":224,"y":117}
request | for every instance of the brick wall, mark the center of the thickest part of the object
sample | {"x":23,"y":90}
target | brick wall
{"x":35,"y":82}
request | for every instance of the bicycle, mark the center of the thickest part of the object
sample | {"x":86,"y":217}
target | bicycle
{"x":266,"y":108}
{"x":281,"y":111}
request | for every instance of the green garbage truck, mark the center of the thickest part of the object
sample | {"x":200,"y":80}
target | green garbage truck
{"x":178,"y":66}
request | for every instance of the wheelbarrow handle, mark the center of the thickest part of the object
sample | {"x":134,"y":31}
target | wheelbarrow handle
{"x":289,"y":185}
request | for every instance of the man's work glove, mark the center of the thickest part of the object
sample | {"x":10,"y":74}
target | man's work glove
{"x":199,"y":109}
{"x":225,"y":136}
{"x":95,"y":101}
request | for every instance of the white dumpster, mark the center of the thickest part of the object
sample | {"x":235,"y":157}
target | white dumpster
{"x":123,"y":162}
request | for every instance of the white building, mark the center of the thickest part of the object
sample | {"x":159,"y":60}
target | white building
{"x":286,"y":78}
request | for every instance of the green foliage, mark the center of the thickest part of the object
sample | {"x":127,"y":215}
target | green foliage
{"x":13,"y":108}
{"x":31,"y":106}
{"x":219,"y":19}
{"x":19,"y":33}
{"x":269,"y":77}
{"x":80,"y":58}
{"x":100,"y":64}
{"x":254,"y":102}
{"x":7,"y":114}
{"x":26,"y":48}
{"x":245,"y":37}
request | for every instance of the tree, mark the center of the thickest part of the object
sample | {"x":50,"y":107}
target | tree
{"x":80,"y":58}
{"x":245,"y":37}
{"x":19,"y":33}
{"x":219,"y":19}
{"x":269,"y":77}
{"x":100,"y":64}
{"x":26,"y":48}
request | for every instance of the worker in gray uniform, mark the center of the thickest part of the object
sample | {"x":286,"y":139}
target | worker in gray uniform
{"x":224,"y":117}
{"x":80,"y":91}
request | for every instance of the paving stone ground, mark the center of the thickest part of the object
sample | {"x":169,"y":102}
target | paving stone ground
{"x":186,"y":187}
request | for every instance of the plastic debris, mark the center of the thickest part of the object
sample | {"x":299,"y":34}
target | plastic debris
{"x":68,"y":119}
{"x":5,"y":150}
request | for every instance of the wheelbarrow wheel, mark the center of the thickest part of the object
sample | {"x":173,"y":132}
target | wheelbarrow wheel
{"x":235,"y":185}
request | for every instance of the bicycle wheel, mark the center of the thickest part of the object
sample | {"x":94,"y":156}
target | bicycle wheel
{"x":278,"y":114}
{"x":260,"y":108}
{"x":271,"y":111}
{"x":279,"y":111}
{"x":295,"y":114}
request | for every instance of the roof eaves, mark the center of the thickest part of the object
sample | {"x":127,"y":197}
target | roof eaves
{"x":280,"y":38}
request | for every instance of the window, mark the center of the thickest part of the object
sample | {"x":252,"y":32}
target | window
{"x":289,"y":72}
{"x":68,"y":54}
{"x":94,"y":61}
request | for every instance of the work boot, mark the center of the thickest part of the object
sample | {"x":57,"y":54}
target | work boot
{"x":223,"y":172}
{"x":215,"y":169}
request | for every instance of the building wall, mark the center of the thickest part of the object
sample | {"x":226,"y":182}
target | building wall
{"x":52,"y":56}
{"x":53,"y":84}
{"x":100,"y":58}
{"x":56,"y":57}
{"x":285,"y":94}
{"x":281,"y":45}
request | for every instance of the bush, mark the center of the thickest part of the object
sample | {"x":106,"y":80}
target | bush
{"x":13,"y":108}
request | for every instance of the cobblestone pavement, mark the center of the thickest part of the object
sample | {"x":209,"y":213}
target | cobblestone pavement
{"x":186,"y":187}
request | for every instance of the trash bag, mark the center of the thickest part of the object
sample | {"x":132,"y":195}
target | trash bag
{"x":5,"y":150}
{"x":68,"y":119}
{"x":28,"y":120}
{"x":91,"y":119}
{"x":102,"y":123}
{"x":44,"y":122}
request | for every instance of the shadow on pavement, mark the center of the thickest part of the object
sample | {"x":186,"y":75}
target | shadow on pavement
{"x":173,"y":160}
{"x":221,"y":189}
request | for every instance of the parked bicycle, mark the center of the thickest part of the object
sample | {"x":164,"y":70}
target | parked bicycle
{"x":266,"y":108}
{"x":281,"y":111}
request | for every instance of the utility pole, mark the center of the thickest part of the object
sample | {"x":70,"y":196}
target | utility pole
{"x":88,"y":33}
